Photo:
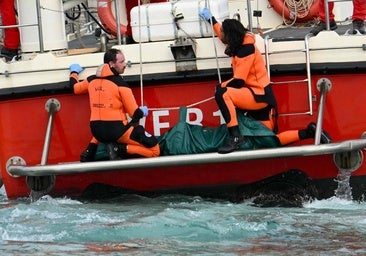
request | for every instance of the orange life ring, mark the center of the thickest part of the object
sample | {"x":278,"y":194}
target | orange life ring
{"x":104,"y":8}
{"x":282,"y":9}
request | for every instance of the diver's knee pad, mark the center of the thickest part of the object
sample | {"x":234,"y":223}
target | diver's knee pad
{"x":143,"y":137}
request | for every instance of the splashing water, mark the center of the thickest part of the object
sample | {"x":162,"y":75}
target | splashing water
{"x":344,"y":189}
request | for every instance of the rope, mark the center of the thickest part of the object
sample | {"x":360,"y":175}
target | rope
{"x":207,"y":4}
{"x":188,"y":106}
{"x":140,"y":52}
{"x":299,"y":8}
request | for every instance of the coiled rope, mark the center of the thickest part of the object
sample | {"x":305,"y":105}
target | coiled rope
{"x":297,"y":8}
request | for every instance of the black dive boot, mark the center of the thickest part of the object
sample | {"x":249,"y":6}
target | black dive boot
{"x":112,"y":150}
{"x":309,"y":133}
{"x":89,"y":153}
{"x":9,"y":54}
{"x":235,"y":141}
{"x":116,"y":151}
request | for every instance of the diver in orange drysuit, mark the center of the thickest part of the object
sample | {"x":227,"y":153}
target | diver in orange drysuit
{"x":110,"y":101}
{"x":250,"y":88}
{"x":11,"y":35}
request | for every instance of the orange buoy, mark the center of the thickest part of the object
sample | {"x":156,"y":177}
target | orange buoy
{"x":104,"y":8}
{"x":301,"y":12}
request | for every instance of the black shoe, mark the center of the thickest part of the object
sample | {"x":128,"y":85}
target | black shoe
{"x":234,"y":143}
{"x":88,"y":155}
{"x":323,"y":26}
{"x":9,"y":54}
{"x":324,"y":136}
{"x":113,"y":151}
{"x":358,"y":25}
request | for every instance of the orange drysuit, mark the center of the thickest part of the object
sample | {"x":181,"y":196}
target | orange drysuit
{"x":110,"y":101}
{"x":249,"y":89}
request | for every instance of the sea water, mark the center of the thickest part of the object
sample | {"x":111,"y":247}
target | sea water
{"x":179,"y":225}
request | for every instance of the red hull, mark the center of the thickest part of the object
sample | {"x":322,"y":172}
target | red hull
{"x":24,"y":121}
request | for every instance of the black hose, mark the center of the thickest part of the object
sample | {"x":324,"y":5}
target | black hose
{"x":95,"y":20}
{"x":72,"y":16}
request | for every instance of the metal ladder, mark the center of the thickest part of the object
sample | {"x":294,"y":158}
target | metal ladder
{"x":307,"y":80}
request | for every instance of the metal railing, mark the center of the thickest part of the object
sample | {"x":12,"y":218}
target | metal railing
{"x":26,"y":25}
{"x":52,"y":106}
{"x":326,"y":9}
{"x":180,"y":160}
{"x":39,"y":23}
{"x":324,"y":86}
{"x":306,"y":80}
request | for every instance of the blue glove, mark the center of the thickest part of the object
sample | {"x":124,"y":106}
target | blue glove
{"x":76,"y":68}
{"x":206,"y":14}
{"x":144,"y":110}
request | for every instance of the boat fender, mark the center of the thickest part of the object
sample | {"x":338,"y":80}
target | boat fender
{"x":282,"y":8}
{"x":107,"y":18}
{"x":42,"y":184}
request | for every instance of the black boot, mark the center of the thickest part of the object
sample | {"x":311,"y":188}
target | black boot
{"x":122,"y":150}
{"x":116,"y":151}
{"x":112,"y":150}
{"x":235,"y":141}
{"x":358,"y":25}
{"x":89,"y":153}
{"x":309,"y":133}
{"x":9,"y":54}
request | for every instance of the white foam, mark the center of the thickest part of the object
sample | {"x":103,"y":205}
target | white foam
{"x":2,"y":191}
{"x":335,"y":203}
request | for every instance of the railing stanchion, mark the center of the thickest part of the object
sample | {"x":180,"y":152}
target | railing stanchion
{"x":52,"y":106}
{"x":324,"y":85}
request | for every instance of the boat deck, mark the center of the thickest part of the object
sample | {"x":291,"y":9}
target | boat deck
{"x":299,"y":32}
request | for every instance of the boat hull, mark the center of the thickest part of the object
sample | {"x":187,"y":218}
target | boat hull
{"x":23,"y":135}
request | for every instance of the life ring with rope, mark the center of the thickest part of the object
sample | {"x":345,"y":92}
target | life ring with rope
{"x":296,"y":10}
{"x":105,"y":14}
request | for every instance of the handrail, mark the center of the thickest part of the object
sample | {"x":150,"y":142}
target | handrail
{"x":308,"y":72}
{"x":40,"y":30}
{"x":181,"y":160}
{"x":266,"y":55}
{"x":18,"y":26}
{"x":324,"y":86}
{"x":118,"y":23}
{"x":249,"y":11}
{"x":52,"y":106}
